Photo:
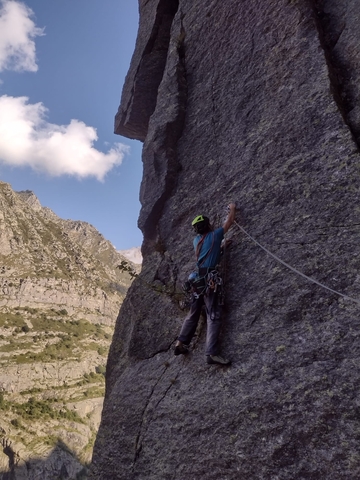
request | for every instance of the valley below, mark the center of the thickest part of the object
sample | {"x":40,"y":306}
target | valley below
{"x":60,"y":293}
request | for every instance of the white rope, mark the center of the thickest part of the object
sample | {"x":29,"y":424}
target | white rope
{"x":294,"y":269}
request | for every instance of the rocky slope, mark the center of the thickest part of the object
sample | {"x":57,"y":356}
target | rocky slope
{"x":60,"y":292}
{"x":256,"y":102}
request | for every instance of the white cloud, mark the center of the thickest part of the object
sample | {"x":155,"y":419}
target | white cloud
{"x":27,"y":139}
{"x":17,"y":31}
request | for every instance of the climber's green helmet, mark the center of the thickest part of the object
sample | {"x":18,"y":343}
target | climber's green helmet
{"x":199,"y":218}
{"x":201,"y":224}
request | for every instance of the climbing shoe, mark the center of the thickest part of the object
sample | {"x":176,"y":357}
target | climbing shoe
{"x":181,"y":349}
{"x":217,"y":360}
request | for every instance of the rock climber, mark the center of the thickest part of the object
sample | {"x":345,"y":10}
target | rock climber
{"x":206,"y":288}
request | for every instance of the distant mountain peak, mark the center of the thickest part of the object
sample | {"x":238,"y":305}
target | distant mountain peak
{"x":133,"y":254}
{"x":30,"y":198}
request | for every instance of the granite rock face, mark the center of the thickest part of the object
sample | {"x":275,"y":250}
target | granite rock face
{"x":257,"y":102}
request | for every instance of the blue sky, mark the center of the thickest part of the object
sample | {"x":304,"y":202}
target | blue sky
{"x":62,"y":68}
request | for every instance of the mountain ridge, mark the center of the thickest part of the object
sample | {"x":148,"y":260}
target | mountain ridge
{"x":60,"y":293}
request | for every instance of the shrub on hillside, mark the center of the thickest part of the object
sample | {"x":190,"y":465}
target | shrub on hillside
{"x":101,"y":369}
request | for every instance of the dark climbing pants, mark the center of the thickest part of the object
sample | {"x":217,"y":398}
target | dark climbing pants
{"x":213,"y":317}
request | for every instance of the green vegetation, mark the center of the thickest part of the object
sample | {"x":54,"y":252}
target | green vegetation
{"x":101,"y":350}
{"x":16,"y":319}
{"x":28,"y":309}
{"x":24,"y":227}
{"x":126,"y":266}
{"x":16,"y":423}
{"x":79,"y":328}
{"x":91,"y":442}
{"x":49,"y":320}
{"x":4,"y":405}
{"x":11,"y":320}
{"x":91,"y":377}
{"x":101,"y":369}
{"x":12,"y":345}
{"x":53,"y":331}
{"x":35,"y":409}
{"x":62,"y":350}
{"x":31,"y":391}
{"x":93,"y":392}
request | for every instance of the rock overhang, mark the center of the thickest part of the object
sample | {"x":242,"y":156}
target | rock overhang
{"x":146,"y":70}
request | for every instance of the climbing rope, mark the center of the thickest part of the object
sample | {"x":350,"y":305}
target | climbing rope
{"x":294,"y":269}
{"x":223,"y":271}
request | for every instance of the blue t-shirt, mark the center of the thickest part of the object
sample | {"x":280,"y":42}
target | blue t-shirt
{"x":210,"y":249}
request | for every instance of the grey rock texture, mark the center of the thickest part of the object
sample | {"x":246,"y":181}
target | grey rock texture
{"x":258,"y":102}
{"x":146,"y":71}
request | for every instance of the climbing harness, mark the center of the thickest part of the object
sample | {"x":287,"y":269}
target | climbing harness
{"x":215,"y":283}
{"x":214,"y":280}
{"x":294,"y":269}
{"x":199,"y":285}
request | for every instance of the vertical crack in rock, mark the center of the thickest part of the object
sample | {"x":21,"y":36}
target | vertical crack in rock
{"x":167,"y":275}
{"x":140,"y":90}
{"x":148,"y":413}
{"x":161,"y":165}
{"x":163,"y":350}
{"x":337,"y":24}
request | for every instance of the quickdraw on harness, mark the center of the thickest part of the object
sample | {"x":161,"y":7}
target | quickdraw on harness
{"x":214,"y":281}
